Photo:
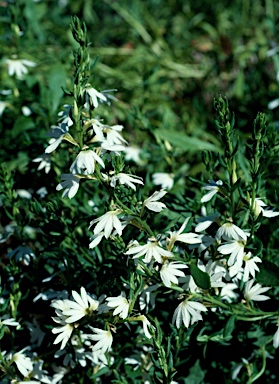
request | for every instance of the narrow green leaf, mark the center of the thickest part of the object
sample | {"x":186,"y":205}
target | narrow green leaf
{"x":188,"y":143}
{"x":229,"y":327}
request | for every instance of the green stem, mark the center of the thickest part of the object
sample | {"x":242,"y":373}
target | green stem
{"x":259,"y":374}
{"x":143,"y":224}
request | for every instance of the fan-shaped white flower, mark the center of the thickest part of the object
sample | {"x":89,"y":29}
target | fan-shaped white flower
{"x":121,"y":305}
{"x":133,"y":154}
{"x":23,"y":362}
{"x":250,"y":265}
{"x":230,"y":231}
{"x":170,"y":271}
{"x":96,"y":239}
{"x":147,"y":297}
{"x":227,"y":292}
{"x":213,"y":188}
{"x":107,"y":222}
{"x":18,"y":67}
{"x":58,"y":134}
{"x":147,"y":326}
{"x":152,"y":202}
{"x":188,"y":312}
{"x":5,"y":320}
{"x":64,"y":116}
{"x":113,"y":136}
{"x":104,"y":339}
{"x":236,"y":250}
{"x":94,"y":96}
{"x":151,"y":250}
{"x":123,"y":178}
{"x":259,"y":208}
{"x":44,"y":161}
{"x":70,"y":183}
{"x":254,"y":293}
{"x":65,"y":331}
{"x":205,"y":221}
{"x":188,"y":238}
{"x":85,"y":162}
{"x":82,"y":306}
{"x":22,"y":254}
{"x":165,"y":180}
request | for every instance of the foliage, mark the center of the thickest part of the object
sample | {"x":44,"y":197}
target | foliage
{"x":157,"y":262}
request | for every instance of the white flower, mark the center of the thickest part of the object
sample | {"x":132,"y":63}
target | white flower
{"x":231,"y":231}
{"x":94,"y":95}
{"x":147,"y":297}
{"x":238,"y":367}
{"x":188,"y":238}
{"x":258,"y":208}
{"x":44,"y":161}
{"x":133,"y":153}
{"x":205,"y":221}
{"x":147,"y":326}
{"x":70,"y":183}
{"x":215,"y":271}
{"x":276,"y":338}
{"x":152,"y":201}
{"x":64,"y":116}
{"x":213,"y":188}
{"x":123,"y":178}
{"x":206,"y":242}
{"x":227,"y":292}
{"x":188,"y":312}
{"x":150,"y":250}
{"x":5,"y":320}
{"x":42,"y":192}
{"x":121,"y":305}
{"x":19,"y":67}
{"x":273,"y":104}
{"x":24,"y":194}
{"x":65,"y":332}
{"x":166,"y":180}
{"x":22,"y":254}
{"x":82,"y":306}
{"x":85,"y":162}
{"x":113,"y":136}
{"x":104,"y":339}
{"x":250,"y":265}
{"x":169,"y":271}
{"x":26,"y":111}
{"x":236,"y":249}
{"x":236,"y":271}
{"x":58,"y":134}
{"x":96,"y":239}
{"x":107,"y":222}
{"x":23,"y":363}
{"x":189,"y":284}
{"x":254,"y":293}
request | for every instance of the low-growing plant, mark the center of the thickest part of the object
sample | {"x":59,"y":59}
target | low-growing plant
{"x":111,"y":280}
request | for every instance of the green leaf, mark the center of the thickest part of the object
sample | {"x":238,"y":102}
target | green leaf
{"x":196,"y":374}
{"x":201,"y":278}
{"x":257,"y":246}
{"x":187,"y":143}
{"x":229,"y":327}
{"x":269,"y":274}
{"x":56,"y":80}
